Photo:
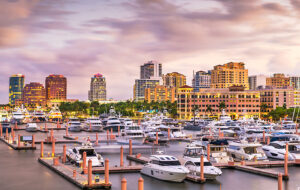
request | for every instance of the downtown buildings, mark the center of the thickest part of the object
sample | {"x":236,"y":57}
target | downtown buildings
{"x":56,"y":87}
{"x":34,"y":94}
{"x":201,"y":79}
{"x":16,"y":85}
{"x":97,"y":90}
{"x":257,"y":81}
{"x":229,"y":74}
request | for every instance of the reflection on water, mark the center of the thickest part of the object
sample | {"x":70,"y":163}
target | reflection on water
{"x":20,"y":170}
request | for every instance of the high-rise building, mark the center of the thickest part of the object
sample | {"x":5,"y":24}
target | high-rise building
{"x":98,"y":88}
{"x":229,"y":74}
{"x":175,"y":80}
{"x":56,"y":87}
{"x":160,"y":93}
{"x":257,"y":81}
{"x":34,"y":94}
{"x":279,"y":80}
{"x":295,"y":82}
{"x":201,"y":79}
{"x":140,"y":86}
{"x":151,"y":69}
{"x":16,"y":85}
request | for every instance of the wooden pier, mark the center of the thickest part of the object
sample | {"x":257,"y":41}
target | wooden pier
{"x":259,"y":171}
{"x":135,"y":158}
{"x":125,"y":169}
{"x":73,"y":174}
{"x":16,"y":147}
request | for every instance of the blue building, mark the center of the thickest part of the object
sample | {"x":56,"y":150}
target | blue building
{"x":16,"y":85}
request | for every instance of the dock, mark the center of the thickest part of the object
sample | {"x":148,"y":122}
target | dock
{"x":125,"y":169}
{"x":141,"y":159}
{"x":259,"y":171}
{"x":67,"y":172}
{"x":16,"y":147}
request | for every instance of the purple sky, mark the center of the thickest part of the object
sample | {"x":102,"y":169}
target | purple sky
{"x":79,"y":38}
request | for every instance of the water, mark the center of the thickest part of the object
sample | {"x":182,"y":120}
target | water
{"x":21,"y":170}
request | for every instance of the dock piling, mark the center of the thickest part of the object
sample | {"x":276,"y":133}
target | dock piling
{"x":51,"y":135}
{"x":84,"y":163}
{"x":111,"y":133}
{"x":107,"y":137}
{"x":90,"y":182}
{"x":6,"y":134}
{"x":123,"y":184}
{"x":67,"y":131}
{"x":74,"y":174}
{"x":130,"y":147}
{"x":268,"y":140}
{"x":286,"y":159}
{"x":121,"y":157}
{"x":279,"y":181}
{"x":208,"y":152}
{"x":202,"y":168}
{"x":97,"y":139}
{"x":1,"y":130}
{"x":141,"y":184}
{"x":169,"y":133}
{"x":264,"y":136}
{"x":106,"y":173}
{"x":42,"y":149}
{"x":119,"y":131}
{"x":19,"y":140}
{"x":53,"y":147}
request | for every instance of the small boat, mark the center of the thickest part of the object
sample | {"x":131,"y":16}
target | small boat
{"x":277,"y":150}
{"x":74,"y":125}
{"x":93,"y":124}
{"x":248,"y":151}
{"x":165,"y":167}
{"x":75,"y":155}
{"x":151,"y":137}
{"x":31,"y":127}
{"x":192,"y":159}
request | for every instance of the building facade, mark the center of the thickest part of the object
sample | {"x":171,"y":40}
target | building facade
{"x":207,"y":101}
{"x":34,"y":94}
{"x":16,"y":85}
{"x":229,"y":74}
{"x":278,"y":80}
{"x":151,"y":69}
{"x":140,"y":87}
{"x":160,"y":93}
{"x":97,"y":90}
{"x":295,"y":82}
{"x":201,"y":79}
{"x":257,"y":81}
{"x":175,"y":80}
{"x":56,"y":87}
{"x":278,"y":97}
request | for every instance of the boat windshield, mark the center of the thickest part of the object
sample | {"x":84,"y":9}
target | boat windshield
{"x":89,"y":152}
{"x":169,"y":163}
{"x":193,"y":152}
{"x":205,"y":163}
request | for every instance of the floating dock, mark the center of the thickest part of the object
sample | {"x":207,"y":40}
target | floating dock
{"x":125,"y":169}
{"x":16,"y":147}
{"x":67,"y":171}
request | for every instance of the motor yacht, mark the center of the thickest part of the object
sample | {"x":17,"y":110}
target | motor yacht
{"x":192,"y":160}
{"x":31,"y":127}
{"x":248,"y":151}
{"x":74,"y":125}
{"x":277,"y":150}
{"x":3,"y":115}
{"x":17,"y":116}
{"x":93,"y":124}
{"x":133,"y":131}
{"x":288,"y":124}
{"x":75,"y":155}
{"x":165,"y":167}
{"x":224,"y":117}
{"x":39,"y":115}
{"x":218,"y":150}
{"x":55,"y":115}
{"x":113,"y":123}
{"x":151,"y":137}
{"x":127,"y":122}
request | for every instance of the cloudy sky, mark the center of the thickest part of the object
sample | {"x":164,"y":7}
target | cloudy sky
{"x":78,"y":38}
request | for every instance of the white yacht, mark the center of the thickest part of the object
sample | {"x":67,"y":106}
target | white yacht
{"x":277,"y":150}
{"x":127,"y":122}
{"x":133,"y":131}
{"x":76,"y":155}
{"x":39,"y":115}
{"x":151,"y":137}
{"x":31,"y":127}
{"x":113,"y":123}
{"x":288,"y":124}
{"x":247,"y":151}
{"x":224,"y":117}
{"x":17,"y":116}
{"x":74,"y":125}
{"x":192,"y":159}
{"x":165,"y":167}
{"x":93,"y":124}
{"x":55,"y":115}
{"x":3,"y":115}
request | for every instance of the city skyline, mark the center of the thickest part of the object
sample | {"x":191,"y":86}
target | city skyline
{"x":77,"y":40}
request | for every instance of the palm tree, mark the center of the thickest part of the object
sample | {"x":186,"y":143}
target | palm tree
{"x":263,"y":107}
{"x":209,"y":109}
{"x":222,"y":106}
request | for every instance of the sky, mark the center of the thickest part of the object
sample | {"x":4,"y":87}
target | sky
{"x":78,"y":38}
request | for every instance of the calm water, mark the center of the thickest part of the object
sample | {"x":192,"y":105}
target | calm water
{"x":21,"y":170}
